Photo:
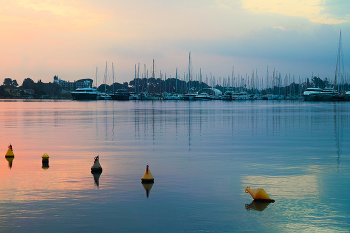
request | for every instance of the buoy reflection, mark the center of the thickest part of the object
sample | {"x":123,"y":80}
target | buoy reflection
{"x":10,"y":160}
{"x":258,"y":206}
{"x":96,"y":178}
{"x":147,"y":187}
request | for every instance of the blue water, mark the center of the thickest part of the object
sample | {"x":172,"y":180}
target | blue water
{"x":202,"y":155}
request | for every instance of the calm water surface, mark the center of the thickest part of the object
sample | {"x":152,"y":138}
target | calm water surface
{"x":202,"y":155}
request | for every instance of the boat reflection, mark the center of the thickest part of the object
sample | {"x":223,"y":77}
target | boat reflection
{"x":258,"y":206}
{"x":10,"y":160}
{"x":147,"y":187}
{"x":96,"y":178}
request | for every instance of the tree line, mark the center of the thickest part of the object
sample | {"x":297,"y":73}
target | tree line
{"x":31,"y":89}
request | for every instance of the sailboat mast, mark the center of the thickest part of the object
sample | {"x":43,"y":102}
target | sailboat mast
{"x":96,"y":77}
{"x":113,"y":76}
{"x":189,"y":71}
{"x":233,"y":69}
{"x":138,"y":77}
{"x":338,"y":66}
{"x":135,"y":79}
{"x":153,"y":77}
{"x":106,"y":78}
{"x":176,"y":82}
{"x":200,"y":78}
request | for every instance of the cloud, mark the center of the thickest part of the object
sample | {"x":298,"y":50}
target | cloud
{"x":317,"y":11}
{"x":336,"y":8}
{"x":60,"y":15}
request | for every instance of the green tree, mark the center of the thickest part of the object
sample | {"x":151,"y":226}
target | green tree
{"x":28,"y":83}
{"x":14,"y":83}
{"x":7,"y":82}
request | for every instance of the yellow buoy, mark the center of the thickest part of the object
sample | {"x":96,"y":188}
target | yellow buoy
{"x":147,"y":177}
{"x":96,"y":167}
{"x":259,"y":195}
{"x":45,"y":161}
{"x":9,"y":152}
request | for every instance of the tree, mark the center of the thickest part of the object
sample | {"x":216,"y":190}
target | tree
{"x":28,"y":83}
{"x":7,"y":82}
{"x":319,"y":82}
{"x":14,"y":83}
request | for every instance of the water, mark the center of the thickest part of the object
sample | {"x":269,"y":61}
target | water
{"x":202,"y":155}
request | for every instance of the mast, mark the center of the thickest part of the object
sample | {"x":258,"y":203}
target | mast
{"x":138,"y":77}
{"x":339,"y":70}
{"x":176,"y":82}
{"x":146,"y":77}
{"x":160,"y":82}
{"x":96,"y":77}
{"x":200,"y":78}
{"x":135,"y":79}
{"x":113,"y":76}
{"x":267,"y":78}
{"x":233,"y":69}
{"x":152,"y":76}
{"x":106,"y":79}
{"x":189,"y":71}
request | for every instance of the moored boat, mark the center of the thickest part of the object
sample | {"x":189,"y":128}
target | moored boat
{"x":311,"y":94}
{"x":347,"y":95}
{"x":227,"y":96}
{"x":203,"y":96}
{"x":86,"y":93}
{"x":121,"y":94}
{"x":327,"y":94}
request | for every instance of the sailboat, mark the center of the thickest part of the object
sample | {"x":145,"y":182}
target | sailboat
{"x":105,"y":96}
{"x":333,"y":94}
{"x":147,"y":95}
{"x":191,"y":95}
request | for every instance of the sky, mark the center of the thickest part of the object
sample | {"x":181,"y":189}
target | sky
{"x":71,"y":38}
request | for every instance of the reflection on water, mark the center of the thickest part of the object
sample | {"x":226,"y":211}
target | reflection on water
{"x":203,"y":154}
{"x":96,"y":178}
{"x":147,"y":187}
{"x":258,"y":206}
{"x":9,"y":160}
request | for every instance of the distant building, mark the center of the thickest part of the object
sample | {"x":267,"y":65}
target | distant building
{"x":72,"y":86}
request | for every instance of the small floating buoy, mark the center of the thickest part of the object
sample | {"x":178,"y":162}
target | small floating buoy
{"x":45,"y":161}
{"x":9,"y":152}
{"x":147,"y":177}
{"x":259,"y":195}
{"x":96,"y":167}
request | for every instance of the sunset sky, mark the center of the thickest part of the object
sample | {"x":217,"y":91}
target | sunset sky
{"x":70,"y":38}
